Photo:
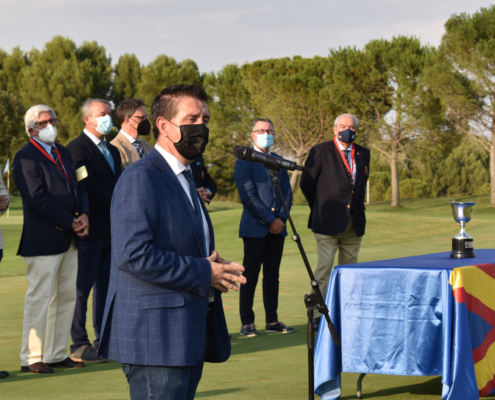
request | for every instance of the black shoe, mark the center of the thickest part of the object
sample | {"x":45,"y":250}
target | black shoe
{"x":4,"y":374}
{"x":249,"y":330}
{"x":67,"y":363}
{"x":87,"y":354}
{"x":278,"y":327}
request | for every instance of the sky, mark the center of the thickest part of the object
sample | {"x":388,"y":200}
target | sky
{"x":215,"y":33}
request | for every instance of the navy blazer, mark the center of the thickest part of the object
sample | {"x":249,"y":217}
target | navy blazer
{"x":260,"y":200}
{"x":157,"y":303}
{"x":50,"y":201}
{"x":99,"y":183}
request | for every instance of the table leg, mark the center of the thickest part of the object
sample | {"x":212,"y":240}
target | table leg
{"x":359,"y":381}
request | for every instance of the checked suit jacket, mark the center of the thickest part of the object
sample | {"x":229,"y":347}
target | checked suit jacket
{"x":157,"y":306}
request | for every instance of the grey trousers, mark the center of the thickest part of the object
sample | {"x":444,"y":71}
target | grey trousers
{"x":347,"y":244}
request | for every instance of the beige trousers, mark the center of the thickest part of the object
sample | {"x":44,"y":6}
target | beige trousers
{"x":348,"y":245}
{"x":50,"y":302}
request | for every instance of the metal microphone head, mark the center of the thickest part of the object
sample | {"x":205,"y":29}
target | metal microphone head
{"x":242,"y":152}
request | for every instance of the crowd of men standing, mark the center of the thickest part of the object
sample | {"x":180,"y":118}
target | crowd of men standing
{"x":128,"y":221}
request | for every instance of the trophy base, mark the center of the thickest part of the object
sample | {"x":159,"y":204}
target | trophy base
{"x":462,"y":248}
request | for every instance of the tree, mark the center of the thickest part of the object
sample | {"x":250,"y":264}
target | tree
{"x":127,"y":78}
{"x":392,"y":99}
{"x":63,"y":76}
{"x":11,"y":66}
{"x":231,"y":115}
{"x":292,"y":93}
{"x":464,"y":76}
{"x":165,"y":71}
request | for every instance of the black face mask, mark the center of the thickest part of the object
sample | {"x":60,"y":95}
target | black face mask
{"x":347,"y":136}
{"x":144,"y":128}
{"x":193,"y":140}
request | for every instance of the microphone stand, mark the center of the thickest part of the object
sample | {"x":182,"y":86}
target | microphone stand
{"x":312,"y":300}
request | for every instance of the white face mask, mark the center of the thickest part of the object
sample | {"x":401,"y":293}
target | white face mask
{"x":47,"y":135}
{"x":105,"y":124}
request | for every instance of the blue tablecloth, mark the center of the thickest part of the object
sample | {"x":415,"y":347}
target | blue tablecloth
{"x":397,"y":317}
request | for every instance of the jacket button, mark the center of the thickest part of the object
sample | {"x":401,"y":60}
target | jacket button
{"x":348,"y":206}
{"x":77,"y":214}
{"x":352,"y":192}
{"x":273,"y":209}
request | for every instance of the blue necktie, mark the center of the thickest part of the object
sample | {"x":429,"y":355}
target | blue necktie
{"x":137,"y":145}
{"x":194,"y":196}
{"x":55,"y":157}
{"x":106,"y":153}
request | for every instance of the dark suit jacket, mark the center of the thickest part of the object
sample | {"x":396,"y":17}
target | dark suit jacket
{"x":99,"y":183}
{"x":50,"y":202}
{"x":260,"y":200}
{"x":157,"y":303}
{"x":325,"y":184}
{"x":201,"y":176}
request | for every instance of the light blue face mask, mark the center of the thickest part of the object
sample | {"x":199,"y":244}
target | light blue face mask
{"x":264,"y":141}
{"x":105,"y":124}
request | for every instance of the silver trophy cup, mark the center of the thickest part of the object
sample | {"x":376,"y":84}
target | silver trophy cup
{"x":462,"y":243}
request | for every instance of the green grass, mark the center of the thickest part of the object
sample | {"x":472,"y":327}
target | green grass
{"x":270,"y":366}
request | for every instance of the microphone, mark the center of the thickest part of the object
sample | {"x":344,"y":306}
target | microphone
{"x":268,"y":161}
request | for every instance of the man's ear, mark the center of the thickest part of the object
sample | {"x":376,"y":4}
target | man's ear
{"x":162,"y":125}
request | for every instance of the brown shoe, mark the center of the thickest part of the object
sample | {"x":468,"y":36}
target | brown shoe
{"x":67,"y":363}
{"x":37,"y":368}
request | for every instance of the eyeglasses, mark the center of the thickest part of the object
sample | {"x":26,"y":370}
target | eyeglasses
{"x":344,"y":127}
{"x":141,"y":118}
{"x":44,"y":124}
{"x":263,"y":131}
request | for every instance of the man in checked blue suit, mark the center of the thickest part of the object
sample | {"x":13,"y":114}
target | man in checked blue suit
{"x":164,"y":315}
{"x":262,"y":230}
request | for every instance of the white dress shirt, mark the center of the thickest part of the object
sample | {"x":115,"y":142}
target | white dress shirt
{"x":95,"y":139}
{"x":349,"y":159}
{"x":178,"y":168}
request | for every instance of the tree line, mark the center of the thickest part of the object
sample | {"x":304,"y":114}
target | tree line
{"x":427,"y":113}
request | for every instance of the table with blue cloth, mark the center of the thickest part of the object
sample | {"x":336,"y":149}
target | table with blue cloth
{"x":420,"y":316}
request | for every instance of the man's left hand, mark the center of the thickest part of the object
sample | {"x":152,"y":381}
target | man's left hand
{"x":205,"y":194}
{"x":83,"y":229}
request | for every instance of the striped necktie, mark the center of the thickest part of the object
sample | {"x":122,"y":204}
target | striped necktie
{"x":138,"y":146}
{"x":108,"y":156}
{"x":55,"y":157}
{"x":346,"y":155}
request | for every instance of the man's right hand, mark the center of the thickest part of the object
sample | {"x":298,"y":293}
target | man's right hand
{"x":4,"y":202}
{"x":277,"y":226}
{"x":225,"y":274}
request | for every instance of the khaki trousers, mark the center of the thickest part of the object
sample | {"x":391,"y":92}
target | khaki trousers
{"x":348,"y":245}
{"x":50,"y":301}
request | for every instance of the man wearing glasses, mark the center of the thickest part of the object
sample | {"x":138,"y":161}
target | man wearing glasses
{"x":334,"y":183}
{"x":262,"y":230}
{"x":99,"y":166}
{"x":55,"y":208}
{"x":134,"y":122}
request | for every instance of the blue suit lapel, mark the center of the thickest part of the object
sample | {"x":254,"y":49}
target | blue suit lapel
{"x":184,"y":203}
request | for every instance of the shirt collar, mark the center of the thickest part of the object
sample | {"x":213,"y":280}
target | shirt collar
{"x":177,"y":167}
{"x":45,"y":146}
{"x":128,"y":137}
{"x":259,"y":151}
{"x":95,"y":140}
{"x":342,"y":147}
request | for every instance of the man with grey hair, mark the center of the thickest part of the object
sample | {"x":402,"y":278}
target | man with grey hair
{"x":102,"y":165}
{"x":334,"y":183}
{"x":55,"y":208}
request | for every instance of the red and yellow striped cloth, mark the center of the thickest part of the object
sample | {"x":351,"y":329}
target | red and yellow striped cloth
{"x":475,"y":287}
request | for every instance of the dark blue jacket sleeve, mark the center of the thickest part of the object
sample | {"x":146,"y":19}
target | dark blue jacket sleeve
{"x":249,"y":196}
{"x":287,"y":193}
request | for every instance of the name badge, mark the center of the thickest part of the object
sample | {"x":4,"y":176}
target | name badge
{"x":81,"y":173}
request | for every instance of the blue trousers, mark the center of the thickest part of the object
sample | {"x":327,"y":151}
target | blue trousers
{"x":163,"y":383}
{"x":93,"y":271}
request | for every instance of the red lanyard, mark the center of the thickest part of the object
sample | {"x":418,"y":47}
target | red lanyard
{"x":43,"y":151}
{"x":345,"y":159}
